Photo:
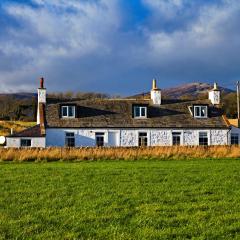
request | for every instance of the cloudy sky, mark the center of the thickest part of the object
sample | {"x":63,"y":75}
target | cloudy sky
{"x":118,"y":46}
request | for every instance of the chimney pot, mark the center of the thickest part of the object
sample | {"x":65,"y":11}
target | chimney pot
{"x":154,"y":84}
{"x":42,"y":82}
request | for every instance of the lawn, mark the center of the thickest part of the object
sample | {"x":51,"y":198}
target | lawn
{"x":197,"y":199}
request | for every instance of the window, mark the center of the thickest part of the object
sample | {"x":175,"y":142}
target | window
{"x":203,"y":139}
{"x":70,"y":139}
{"x":26,"y":142}
{"x":68,"y":111}
{"x":234,"y":139}
{"x":176,"y":138}
{"x":140,"y":112}
{"x":99,"y":139}
{"x":142,"y":139}
{"x":200,"y":111}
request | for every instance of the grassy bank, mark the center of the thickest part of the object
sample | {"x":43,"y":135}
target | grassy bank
{"x":120,"y":200}
{"x":81,"y":154}
{"x":17,"y":126}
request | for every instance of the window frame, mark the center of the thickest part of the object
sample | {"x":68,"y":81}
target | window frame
{"x":234,"y":136}
{"x":200,"y":107}
{"x":141,"y":109}
{"x":100,"y":135}
{"x":200,"y":142}
{"x":68,"y":111}
{"x":143,"y":140}
{"x":70,"y":138}
{"x":25,"y":139}
{"x":178,"y":134}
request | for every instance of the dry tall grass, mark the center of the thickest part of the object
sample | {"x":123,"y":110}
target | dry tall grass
{"x":80,"y":154}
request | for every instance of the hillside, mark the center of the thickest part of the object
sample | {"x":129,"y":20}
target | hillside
{"x":189,"y":90}
{"x":6,"y":126}
{"x":20,"y":96}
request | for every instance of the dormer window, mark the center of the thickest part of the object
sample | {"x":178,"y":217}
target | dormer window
{"x":68,"y":111}
{"x":200,"y":111}
{"x":140,"y":111}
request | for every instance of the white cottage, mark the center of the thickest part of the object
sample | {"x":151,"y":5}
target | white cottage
{"x":127,"y":122}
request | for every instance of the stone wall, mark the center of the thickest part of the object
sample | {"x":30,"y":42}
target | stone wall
{"x":190,"y":137}
{"x":129,"y":138}
{"x":161,"y":137}
{"x":219,"y":137}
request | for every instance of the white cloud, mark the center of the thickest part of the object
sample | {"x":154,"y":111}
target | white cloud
{"x":167,"y":8}
{"x":64,"y":32}
{"x":53,"y":31}
{"x":212,"y":32}
{"x":83,"y":45}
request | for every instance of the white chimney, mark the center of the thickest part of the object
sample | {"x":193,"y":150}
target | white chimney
{"x":42,"y":98}
{"x":156,"y":93}
{"x":215,"y":95}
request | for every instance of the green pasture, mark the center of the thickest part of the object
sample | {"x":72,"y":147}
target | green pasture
{"x":192,"y":199}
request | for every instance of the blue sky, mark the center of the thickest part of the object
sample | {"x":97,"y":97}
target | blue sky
{"x":118,"y":46}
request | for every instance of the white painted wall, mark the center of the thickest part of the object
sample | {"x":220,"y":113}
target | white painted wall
{"x":215,"y":97}
{"x":42,"y":98}
{"x":219,"y":137}
{"x":39,"y":142}
{"x":235,"y":130}
{"x":156,"y":97}
{"x":160,"y":137}
{"x":191,"y":137}
{"x":83,"y":137}
{"x":129,"y":137}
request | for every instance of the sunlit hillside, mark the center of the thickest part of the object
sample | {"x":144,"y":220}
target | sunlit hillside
{"x":17,"y":126}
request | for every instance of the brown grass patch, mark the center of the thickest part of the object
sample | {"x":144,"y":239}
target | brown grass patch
{"x":81,"y":154}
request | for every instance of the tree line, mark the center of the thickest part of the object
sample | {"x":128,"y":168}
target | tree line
{"x":14,"y":108}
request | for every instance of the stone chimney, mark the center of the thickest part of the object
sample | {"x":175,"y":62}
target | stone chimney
{"x":156,"y":93}
{"x":214,"y":95}
{"x":42,"y":99}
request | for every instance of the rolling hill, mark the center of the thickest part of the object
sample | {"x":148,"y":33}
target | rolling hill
{"x":191,"y":90}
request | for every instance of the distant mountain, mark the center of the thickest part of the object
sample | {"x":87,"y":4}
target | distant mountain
{"x":189,"y":90}
{"x":192,"y":89}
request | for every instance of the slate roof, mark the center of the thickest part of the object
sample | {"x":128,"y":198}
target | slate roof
{"x":29,"y":132}
{"x":115,"y":113}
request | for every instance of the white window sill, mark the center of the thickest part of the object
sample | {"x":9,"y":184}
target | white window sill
{"x":200,"y":117}
{"x":68,"y":117}
{"x":140,"y":117}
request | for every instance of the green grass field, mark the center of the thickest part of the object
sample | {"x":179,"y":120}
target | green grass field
{"x":197,"y":199}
